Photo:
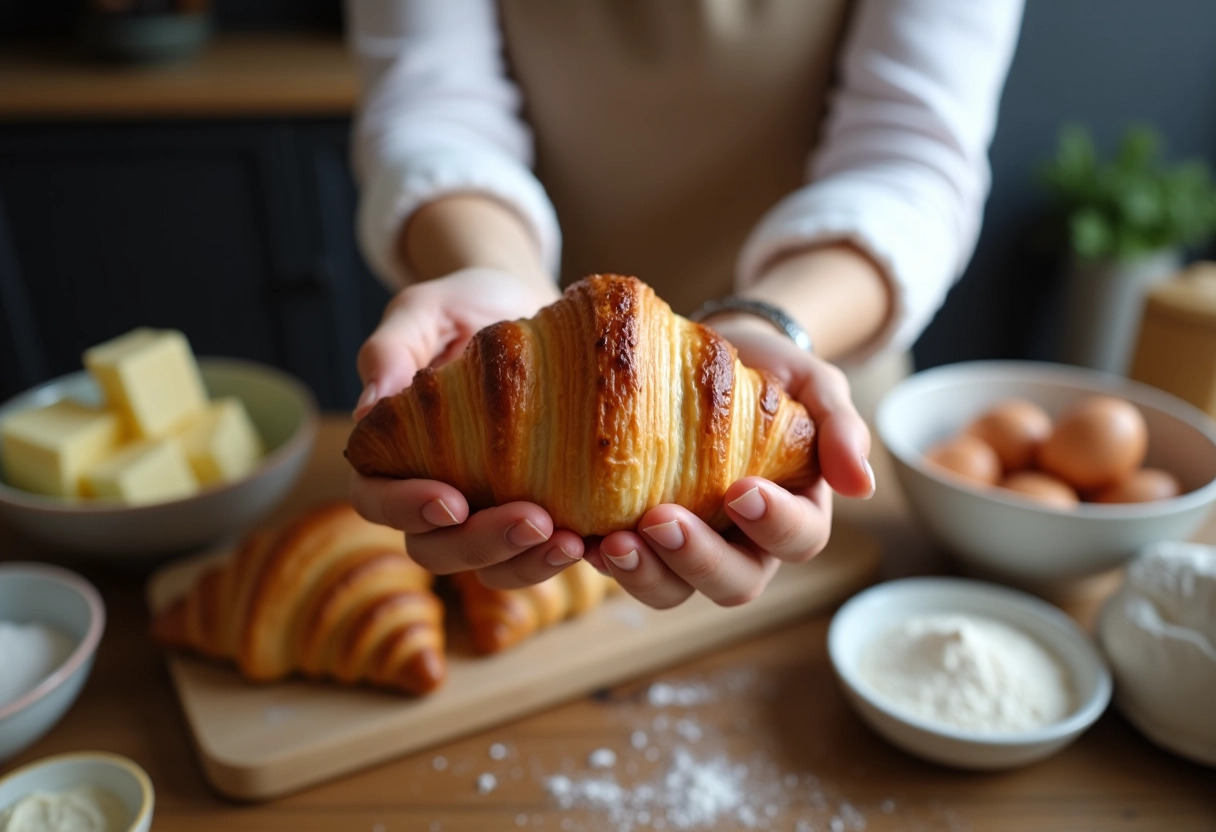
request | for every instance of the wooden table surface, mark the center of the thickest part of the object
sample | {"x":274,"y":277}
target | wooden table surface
{"x":763,"y":730}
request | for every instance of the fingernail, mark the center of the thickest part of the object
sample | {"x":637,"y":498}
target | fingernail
{"x":367,"y":397}
{"x":628,"y":561}
{"x":865,"y":463}
{"x":557,"y":556}
{"x":751,"y":504}
{"x":437,"y":513}
{"x":524,"y":533}
{"x":668,"y":535}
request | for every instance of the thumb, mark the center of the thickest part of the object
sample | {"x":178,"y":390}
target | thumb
{"x":406,"y":340}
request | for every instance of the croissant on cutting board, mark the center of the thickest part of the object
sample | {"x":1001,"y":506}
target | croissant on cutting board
{"x":331,"y":595}
{"x":601,"y":407}
{"x":499,"y":618}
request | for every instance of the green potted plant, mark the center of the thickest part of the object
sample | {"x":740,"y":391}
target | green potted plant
{"x":1127,"y":220}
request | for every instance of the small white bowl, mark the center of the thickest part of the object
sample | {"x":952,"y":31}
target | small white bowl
{"x":877,"y":610}
{"x":1000,"y":534}
{"x":117,"y":775}
{"x":37,"y":593}
{"x":281,"y":408}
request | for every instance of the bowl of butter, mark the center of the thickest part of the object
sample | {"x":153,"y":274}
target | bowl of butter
{"x":149,"y":450}
{"x":90,"y":792}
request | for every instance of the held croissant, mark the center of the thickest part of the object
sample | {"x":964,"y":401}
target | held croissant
{"x":499,"y":618}
{"x":331,"y":595}
{"x":601,"y":407}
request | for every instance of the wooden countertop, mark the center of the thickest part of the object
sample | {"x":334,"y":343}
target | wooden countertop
{"x":770,"y":704}
{"x":236,"y":75}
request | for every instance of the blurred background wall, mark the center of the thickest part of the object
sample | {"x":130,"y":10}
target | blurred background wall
{"x":1105,"y":64}
{"x":237,"y":227}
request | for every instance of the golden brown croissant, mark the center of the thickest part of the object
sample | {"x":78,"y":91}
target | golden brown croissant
{"x":331,"y":595}
{"x":601,"y":407}
{"x":500,"y":618}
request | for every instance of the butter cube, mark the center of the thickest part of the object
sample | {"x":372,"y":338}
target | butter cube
{"x":148,"y":471}
{"x":221,"y":443}
{"x":47,"y":449}
{"x":150,"y":377}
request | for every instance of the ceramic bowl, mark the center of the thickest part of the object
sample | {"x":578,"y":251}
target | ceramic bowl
{"x":37,"y":593}
{"x":117,"y":775}
{"x":1002,"y":535}
{"x":1158,"y":632}
{"x":285,"y":415}
{"x":877,"y":610}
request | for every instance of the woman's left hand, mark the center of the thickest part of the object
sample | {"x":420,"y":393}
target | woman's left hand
{"x":674,"y":553}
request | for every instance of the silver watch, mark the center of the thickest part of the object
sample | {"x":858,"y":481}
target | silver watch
{"x":773,"y":314}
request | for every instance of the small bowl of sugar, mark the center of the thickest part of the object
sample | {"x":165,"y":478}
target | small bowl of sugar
{"x":966,"y":673}
{"x":51,"y":621}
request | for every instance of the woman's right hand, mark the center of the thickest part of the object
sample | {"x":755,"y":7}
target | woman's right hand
{"x":429,"y":323}
{"x":425,"y":325}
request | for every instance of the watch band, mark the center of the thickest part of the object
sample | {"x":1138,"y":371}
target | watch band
{"x":773,"y":314}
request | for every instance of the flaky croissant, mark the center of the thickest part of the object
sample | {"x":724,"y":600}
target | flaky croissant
{"x":331,"y":595}
{"x":499,"y":619}
{"x":601,"y":407}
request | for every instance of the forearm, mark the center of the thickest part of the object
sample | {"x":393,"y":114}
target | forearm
{"x":468,"y":230}
{"x":837,"y":293}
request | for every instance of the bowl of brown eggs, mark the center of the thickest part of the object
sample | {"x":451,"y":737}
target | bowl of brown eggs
{"x":1042,"y":474}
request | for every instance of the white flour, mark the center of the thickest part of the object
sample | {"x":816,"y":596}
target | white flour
{"x":672,"y":772}
{"x":28,"y":654}
{"x":968,"y":672}
{"x":693,"y":794}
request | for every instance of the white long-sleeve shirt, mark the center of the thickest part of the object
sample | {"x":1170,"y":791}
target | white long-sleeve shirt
{"x":901,"y":169}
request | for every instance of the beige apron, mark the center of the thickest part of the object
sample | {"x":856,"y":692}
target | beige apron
{"x":665,"y":129}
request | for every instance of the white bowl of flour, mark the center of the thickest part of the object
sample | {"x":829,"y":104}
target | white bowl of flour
{"x":966,"y":673}
{"x":51,"y":621}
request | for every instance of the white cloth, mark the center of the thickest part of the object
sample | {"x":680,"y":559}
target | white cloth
{"x":901,"y":170}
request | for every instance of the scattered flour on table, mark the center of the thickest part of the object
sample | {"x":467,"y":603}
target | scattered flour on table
{"x":602,"y":758}
{"x":439,"y":763}
{"x":661,"y":694}
{"x":486,"y":783}
{"x":691,"y":794}
{"x":688,"y":730}
{"x":674,"y":774}
{"x":970,"y":672}
{"x":498,"y":751}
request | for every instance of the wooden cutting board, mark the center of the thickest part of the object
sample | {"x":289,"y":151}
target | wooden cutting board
{"x":260,"y":741}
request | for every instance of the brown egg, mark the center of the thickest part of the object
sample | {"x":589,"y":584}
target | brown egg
{"x":1042,"y":488}
{"x":1142,"y":486}
{"x":1095,"y":444}
{"x":1015,"y":429}
{"x":968,"y":457}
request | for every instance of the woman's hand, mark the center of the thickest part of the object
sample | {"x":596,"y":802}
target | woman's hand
{"x":430,"y":323}
{"x":426,"y":325}
{"x":674,"y":553}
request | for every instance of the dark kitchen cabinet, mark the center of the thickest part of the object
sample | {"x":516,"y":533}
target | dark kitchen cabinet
{"x":239,"y":233}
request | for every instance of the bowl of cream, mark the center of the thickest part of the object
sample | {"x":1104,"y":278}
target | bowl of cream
{"x":51,"y":621}
{"x":967,"y":673}
{"x":84,"y":792}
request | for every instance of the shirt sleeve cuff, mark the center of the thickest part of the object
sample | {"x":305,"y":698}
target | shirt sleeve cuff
{"x":911,"y":249}
{"x":400,"y":187}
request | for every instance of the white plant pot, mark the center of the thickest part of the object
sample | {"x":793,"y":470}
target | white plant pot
{"x":1105,"y":302}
